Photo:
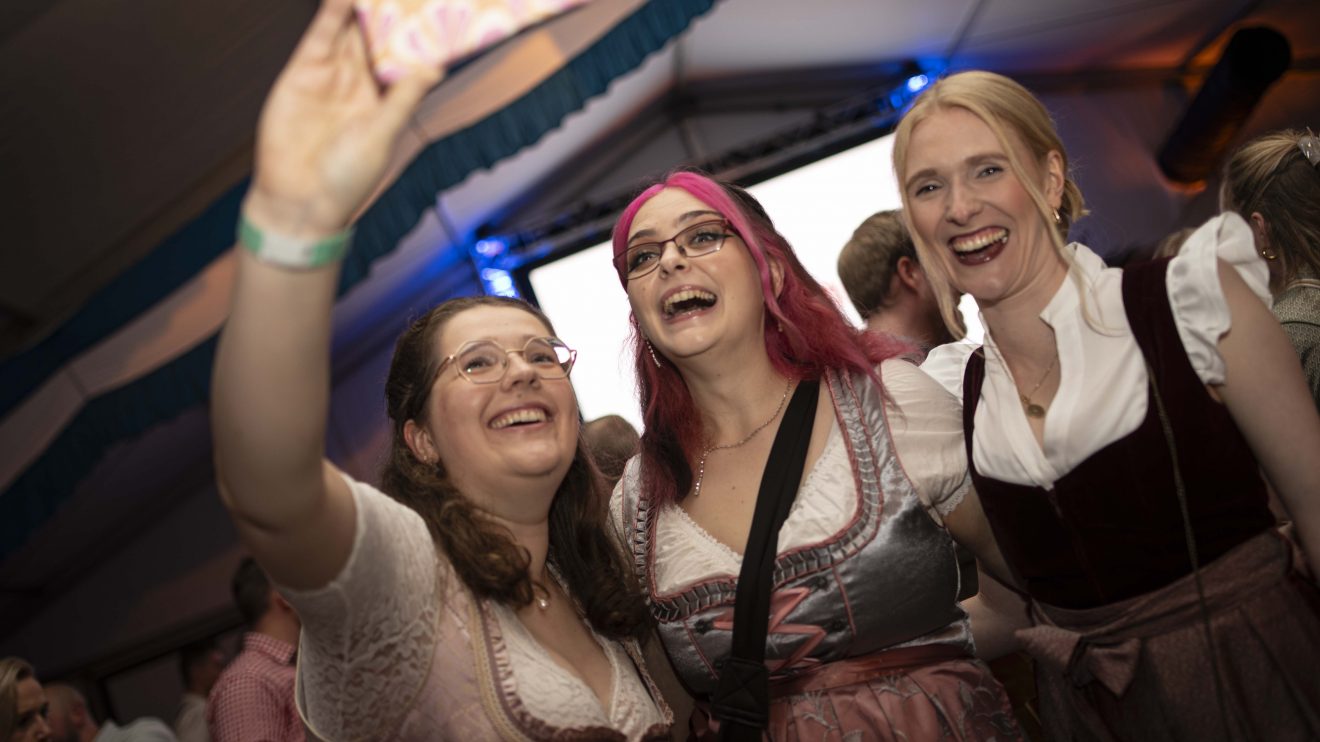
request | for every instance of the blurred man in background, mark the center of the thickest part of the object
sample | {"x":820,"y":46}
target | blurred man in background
{"x":71,"y":721}
{"x":253,"y":698}
{"x":612,"y":441}
{"x":200,"y":664}
{"x":879,"y":270}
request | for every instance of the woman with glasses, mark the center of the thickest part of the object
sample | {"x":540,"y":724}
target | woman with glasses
{"x":1118,"y":423}
{"x":478,"y":593}
{"x":1273,"y":182}
{"x":732,"y":338}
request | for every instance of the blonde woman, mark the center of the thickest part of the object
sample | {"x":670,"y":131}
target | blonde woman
{"x":1116,"y":422}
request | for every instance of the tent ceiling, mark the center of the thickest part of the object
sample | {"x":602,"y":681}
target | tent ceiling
{"x":124,"y":118}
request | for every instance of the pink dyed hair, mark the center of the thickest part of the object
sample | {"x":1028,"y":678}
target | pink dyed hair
{"x":800,"y":311}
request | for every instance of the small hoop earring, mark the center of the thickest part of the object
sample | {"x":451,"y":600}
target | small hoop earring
{"x":651,"y":349}
{"x":1057,"y":218}
{"x":1268,"y":254}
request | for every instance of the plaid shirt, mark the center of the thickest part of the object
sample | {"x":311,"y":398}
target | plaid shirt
{"x":253,"y":699}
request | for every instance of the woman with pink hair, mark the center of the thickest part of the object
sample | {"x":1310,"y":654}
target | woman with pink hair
{"x":844,"y":538}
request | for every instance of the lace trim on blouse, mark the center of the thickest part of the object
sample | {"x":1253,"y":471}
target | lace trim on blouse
{"x":369,"y":638}
{"x":552,"y":693}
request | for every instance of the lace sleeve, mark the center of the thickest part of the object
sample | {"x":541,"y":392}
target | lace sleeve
{"x":926,"y":423}
{"x":368,"y":636}
{"x":1200,"y":311}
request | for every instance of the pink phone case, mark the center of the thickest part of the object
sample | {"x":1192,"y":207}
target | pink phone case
{"x":404,"y":34}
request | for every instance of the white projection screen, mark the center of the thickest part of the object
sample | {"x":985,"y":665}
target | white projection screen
{"x":815,"y":207}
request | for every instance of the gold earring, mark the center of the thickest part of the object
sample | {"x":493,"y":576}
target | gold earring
{"x":1057,"y":218}
{"x":1268,"y":254}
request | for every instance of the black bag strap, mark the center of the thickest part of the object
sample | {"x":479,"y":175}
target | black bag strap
{"x":742,"y":697}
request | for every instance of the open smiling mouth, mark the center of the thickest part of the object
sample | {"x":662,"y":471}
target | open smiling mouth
{"x":521,"y":417}
{"x":980,"y":247}
{"x":687,"y":301}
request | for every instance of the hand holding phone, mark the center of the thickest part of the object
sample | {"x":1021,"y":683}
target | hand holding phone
{"x":432,"y":34}
{"x":327,"y":129}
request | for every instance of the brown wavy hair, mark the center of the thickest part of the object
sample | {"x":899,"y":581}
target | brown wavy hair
{"x":484,"y":554}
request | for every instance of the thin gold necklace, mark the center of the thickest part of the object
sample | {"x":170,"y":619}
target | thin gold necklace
{"x":701,"y":465}
{"x":1031,"y":408}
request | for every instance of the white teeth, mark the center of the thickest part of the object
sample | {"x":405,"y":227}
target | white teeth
{"x":531,"y":415}
{"x":980,"y":241}
{"x":686,"y":295}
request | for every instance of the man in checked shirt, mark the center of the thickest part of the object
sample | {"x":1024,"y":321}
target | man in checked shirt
{"x":253,"y":699}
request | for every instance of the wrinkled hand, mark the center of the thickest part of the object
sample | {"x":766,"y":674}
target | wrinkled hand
{"x":326,"y":131}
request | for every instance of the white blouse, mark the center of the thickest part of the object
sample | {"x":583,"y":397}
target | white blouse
{"x":926,"y":424}
{"x":1102,"y":387}
{"x":379,"y":616}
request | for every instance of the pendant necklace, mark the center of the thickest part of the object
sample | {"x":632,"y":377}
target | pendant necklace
{"x":701,"y":465}
{"x":1031,"y":408}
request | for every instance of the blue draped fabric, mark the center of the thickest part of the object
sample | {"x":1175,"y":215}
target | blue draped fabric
{"x":128,"y":411}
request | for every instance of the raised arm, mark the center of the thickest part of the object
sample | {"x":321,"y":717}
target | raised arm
{"x":1267,"y":396}
{"x":323,"y":142}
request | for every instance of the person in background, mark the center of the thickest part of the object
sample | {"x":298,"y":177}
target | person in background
{"x":253,"y":697}
{"x":200,"y":665}
{"x":612,"y":441}
{"x":886,"y":283}
{"x":1273,"y":182}
{"x":23,"y":703}
{"x":72,"y":721}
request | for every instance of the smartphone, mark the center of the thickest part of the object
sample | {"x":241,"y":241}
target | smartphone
{"x":407,"y":34}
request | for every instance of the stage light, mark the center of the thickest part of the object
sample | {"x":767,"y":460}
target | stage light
{"x":498,"y":282}
{"x":491,"y":247}
{"x":917,"y":83}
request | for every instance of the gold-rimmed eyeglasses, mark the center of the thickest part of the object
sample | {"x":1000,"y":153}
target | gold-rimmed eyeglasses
{"x":486,"y":362}
{"x":693,"y":242}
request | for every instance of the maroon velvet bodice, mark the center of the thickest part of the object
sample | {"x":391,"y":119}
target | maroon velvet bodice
{"x":1111,"y":528}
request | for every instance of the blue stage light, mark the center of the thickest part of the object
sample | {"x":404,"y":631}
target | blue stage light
{"x":916,"y":83}
{"x":498,"y":282}
{"x":491,"y":247}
